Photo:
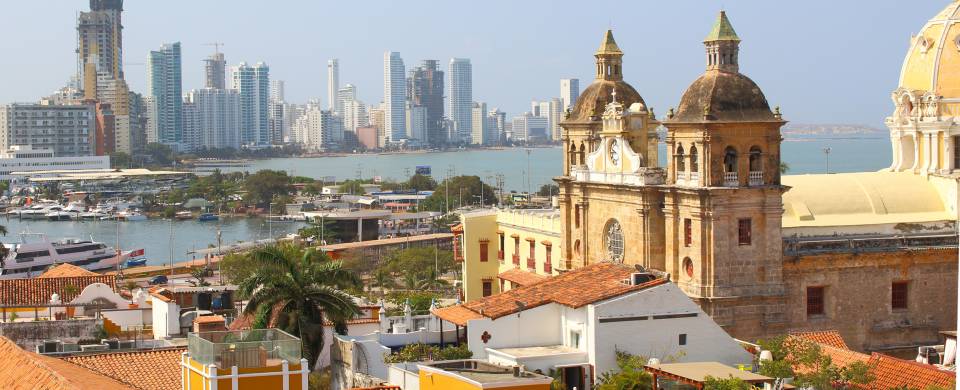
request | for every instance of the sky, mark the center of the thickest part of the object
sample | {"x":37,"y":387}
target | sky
{"x":821,"y":61}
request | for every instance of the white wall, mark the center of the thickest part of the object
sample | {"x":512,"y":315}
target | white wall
{"x":352,"y":330}
{"x":404,"y":375}
{"x":166,"y":318}
{"x":538,"y":326}
{"x":659,"y":338}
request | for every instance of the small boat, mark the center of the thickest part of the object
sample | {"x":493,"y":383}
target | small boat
{"x":131,"y":215}
{"x":137,"y":262}
{"x":206,"y":217}
{"x":60,"y":215}
{"x":94,"y":215}
{"x":183,"y":215}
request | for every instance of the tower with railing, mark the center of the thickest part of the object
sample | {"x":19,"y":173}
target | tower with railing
{"x":249,"y":359}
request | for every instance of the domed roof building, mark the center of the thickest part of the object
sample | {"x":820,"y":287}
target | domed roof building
{"x":924,"y":127}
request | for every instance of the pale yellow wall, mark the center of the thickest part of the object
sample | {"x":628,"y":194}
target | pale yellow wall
{"x":435,"y":381}
{"x":477,"y":227}
{"x":536,"y":225}
{"x":918,"y":69}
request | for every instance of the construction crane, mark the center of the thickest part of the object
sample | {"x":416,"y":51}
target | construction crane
{"x":216,"y":46}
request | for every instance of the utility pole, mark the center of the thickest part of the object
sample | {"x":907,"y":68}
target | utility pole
{"x":528,"y":173}
{"x":826,"y":155}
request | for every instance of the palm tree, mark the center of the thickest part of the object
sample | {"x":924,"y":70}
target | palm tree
{"x":300,"y":288}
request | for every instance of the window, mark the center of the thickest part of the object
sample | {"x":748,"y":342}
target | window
{"x":547,"y":262}
{"x":574,"y":339}
{"x":487,"y":287}
{"x":687,"y":232}
{"x":484,"y":248}
{"x":502,"y":247}
{"x":683,"y":339}
{"x":756,"y":164}
{"x":614,"y":242}
{"x":730,"y":160}
{"x":576,"y":216}
{"x":516,"y":249}
{"x":532,"y":258}
{"x":898,"y":295}
{"x":744,"y":231}
{"x":681,"y":165}
{"x":694,"y":162}
{"x":815,"y":305}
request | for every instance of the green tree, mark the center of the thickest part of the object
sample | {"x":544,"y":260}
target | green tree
{"x":159,"y":154}
{"x":303,"y":287}
{"x":420,"y":267}
{"x":784,"y":167}
{"x":730,"y":383}
{"x":459,"y":191}
{"x":321,"y":230}
{"x":419,"y":352}
{"x":629,"y":375}
{"x":262,"y":187}
{"x":353,"y":187}
{"x":120,"y":160}
{"x":421,"y":183}
{"x":200,"y":274}
{"x":548,"y":190}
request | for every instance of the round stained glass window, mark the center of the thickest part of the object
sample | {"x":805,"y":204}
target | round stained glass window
{"x":614,"y":239}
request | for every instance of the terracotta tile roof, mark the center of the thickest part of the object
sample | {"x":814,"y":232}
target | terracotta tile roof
{"x":209,"y":319}
{"x":891,"y":372}
{"x":148,"y":370}
{"x":29,"y":291}
{"x":21,"y":369}
{"x":457,"y":314}
{"x":521,"y":277}
{"x":66,"y":270}
{"x":843,"y":357}
{"x":825,"y":337}
{"x":576,"y":288}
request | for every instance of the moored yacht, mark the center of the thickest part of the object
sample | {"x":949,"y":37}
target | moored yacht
{"x":35,"y":253}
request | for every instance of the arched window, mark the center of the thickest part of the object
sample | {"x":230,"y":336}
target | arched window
{"x":694,"y":159}
{"x":614,"y":241}
{"x":681,"y":165}
{"x":573,"y":154}
{"x":730,"y":160}
{"x":756,"y":162}
{"x":583,"y":154}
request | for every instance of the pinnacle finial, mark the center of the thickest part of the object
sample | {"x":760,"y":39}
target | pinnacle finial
{"x":609,"y":45}
{"x":722,"y":30}
{"x":613,"y":95}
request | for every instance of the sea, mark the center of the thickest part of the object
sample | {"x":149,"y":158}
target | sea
{"x":166,"y":240}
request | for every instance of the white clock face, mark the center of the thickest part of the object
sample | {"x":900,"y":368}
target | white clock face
{"x":614,"y":152}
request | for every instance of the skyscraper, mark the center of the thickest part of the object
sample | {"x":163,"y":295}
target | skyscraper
{"x":555,"y":116}
{"x":460,"y":99}
{"x":164,"y":87}
{"x":345,"y":94}
{"x":100,"y":40}
{"x":275,"y":115}
{"x":333,"y":85}
{"x":216,"y":117}
{"x":498,"y":124}
{"x":480,"y":127}
{"x":253,"y":85}
{"x":215,"y":71}
{"x":425,"y":89}
{"x":394,"y":96}
{"x":569,"y":91}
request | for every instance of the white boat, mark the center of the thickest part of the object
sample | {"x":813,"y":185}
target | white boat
{"x":61,"y":215}
{"x":40,"y":211}
{"x":35,"y":253}
{"x":77,"y":207}
{"x":131,"y":215}
{"x":94,"y":215}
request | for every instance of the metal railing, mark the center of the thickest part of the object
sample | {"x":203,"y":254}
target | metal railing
{"x":799,"y":246}
{"x":244,"y":349}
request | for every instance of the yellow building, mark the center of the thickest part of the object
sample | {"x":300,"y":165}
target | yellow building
{"x":475,"y":375}
{"x":250,"y":359}
{"x":503,"y":249}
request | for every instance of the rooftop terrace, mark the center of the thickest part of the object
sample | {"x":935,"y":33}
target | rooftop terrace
{"x":244,"y":348}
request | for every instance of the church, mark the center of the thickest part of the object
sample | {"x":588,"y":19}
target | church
{"x":871,"y":254}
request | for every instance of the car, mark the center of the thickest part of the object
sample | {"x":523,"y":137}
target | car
{"x":159,"y":279}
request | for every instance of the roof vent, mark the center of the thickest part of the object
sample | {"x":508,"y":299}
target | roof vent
{"x":638,"y":278}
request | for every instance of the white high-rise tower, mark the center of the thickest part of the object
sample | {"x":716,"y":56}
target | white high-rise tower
{"x":394,"y":96}
{"x":569,"y":91}
{"x":460,"y":99}
{"x":333,"y":85}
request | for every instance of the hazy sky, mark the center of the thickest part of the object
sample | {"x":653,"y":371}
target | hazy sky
{"x":823,"y":61}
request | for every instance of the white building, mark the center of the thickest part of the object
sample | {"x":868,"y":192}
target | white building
{"x":554,"y":116}
{"x":480,"y":133}
{"x":416,"y":122}
{"x":577,"y":321}
{"x":394,"y":96}
{"x":319,"y":130}
{"x":253,"y":85}
{"x":569,"y":91}
{"x":344,"y":95}
{"x":528,"y":127}
{"x":217,"y":119}
{"x":65,"y":130}
{"x":460,"y":99}
{"x":165,"y":88}
{"x":333,"y":85}
{"x":24,"y":158}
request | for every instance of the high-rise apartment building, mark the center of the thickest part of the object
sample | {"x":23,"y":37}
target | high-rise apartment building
{"x":138,"y":122}
{"x":354,"y":115}
{"x":190,"y":140}
{"x":555,"y":116}
{"x":345,"y":94}
{"x":319,"y":130}
{"x":253,"y":85}
{"x":394,"y":96}
{"x":100,"y":40}
{"x":529,"y":128}
{"x":569,"y":91}
{"x":480,"y":127}
{"x":215,"y":71}
{"x":425,"y":89}
{"x":275,"y":115}
{"x":460,"y":99}
{"x":216,"y":119}
{"x":333,"y":85}
{"x":416,"y":123}
{"x":66,"y":130}
{"x":498,"y":124}
{"x":378,"y":119}
{"x":164,"y":87}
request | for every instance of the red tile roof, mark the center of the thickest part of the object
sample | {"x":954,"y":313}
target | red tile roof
{"x":457,"y":314}
{"x":65,"y":270}
{"x":20,"y":369}
{"x":32,"y":291}
{"x":148,"y":370}
{"x":891,"y":372}
{"x":826,"y":337}
{"x":521,"y":277}
{"x":576,"y":288}
{"x":209,"y":319}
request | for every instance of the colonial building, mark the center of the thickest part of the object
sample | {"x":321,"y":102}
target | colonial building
{"x":760,"y":252}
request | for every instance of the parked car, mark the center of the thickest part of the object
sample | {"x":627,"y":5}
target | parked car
{"x":159,"y":279}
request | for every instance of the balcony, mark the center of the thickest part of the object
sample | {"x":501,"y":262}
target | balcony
{"x":693,"y":178}
{"x":516,"y":259}
{"x":547,"y":268}
{"x":500,"y":255}
{"x":244,"y":349}
{"x":756,"y":178}
{"x":532,"y":263}
{"x":731,"y":179}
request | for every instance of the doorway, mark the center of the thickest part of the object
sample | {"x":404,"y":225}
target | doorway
{"x":573,"y":377}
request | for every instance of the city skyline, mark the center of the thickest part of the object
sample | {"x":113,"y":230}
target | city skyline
{"x":788,"y":56}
